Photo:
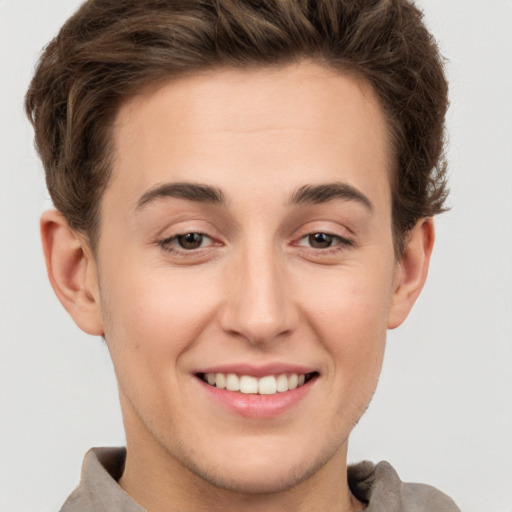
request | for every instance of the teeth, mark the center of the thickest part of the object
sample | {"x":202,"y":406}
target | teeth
{"x":232,"y":382}
{"x":268,"y":385}
{"x":248,"y":384}
{"x":219,"y":380}
{"x":293,"y":381}
{"x":282,"y":383}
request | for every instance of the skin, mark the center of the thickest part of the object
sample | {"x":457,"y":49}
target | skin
{"x":256,"y":291}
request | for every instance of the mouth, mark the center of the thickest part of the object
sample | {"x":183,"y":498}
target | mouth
{"x":251,"y":385}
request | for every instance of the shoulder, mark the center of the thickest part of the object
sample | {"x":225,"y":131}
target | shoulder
{"x":381,"y":488}
{"x":98,"y":490}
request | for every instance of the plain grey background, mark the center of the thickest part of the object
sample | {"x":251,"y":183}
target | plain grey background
{"x":443,"y":411}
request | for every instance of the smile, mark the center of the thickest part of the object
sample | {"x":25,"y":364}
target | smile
{"x":248,"y":384}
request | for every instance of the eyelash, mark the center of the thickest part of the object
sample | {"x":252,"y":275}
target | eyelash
{"x":337,"y":243}
{"x":166,"y":244}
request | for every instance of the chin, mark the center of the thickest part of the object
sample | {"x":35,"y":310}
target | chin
{"x":253,"y":480}
{"x":263,"y":473}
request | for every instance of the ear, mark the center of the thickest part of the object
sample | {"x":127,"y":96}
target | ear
{"x":411,"y":271}
{"x":72,"y":272}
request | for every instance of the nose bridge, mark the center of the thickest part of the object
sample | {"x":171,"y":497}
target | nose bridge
{"x":258,"y":306}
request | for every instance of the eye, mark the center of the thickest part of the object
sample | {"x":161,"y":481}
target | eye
{"x":191,"y":240}
{"x":322,"y":240}
{"x":186,"y":242}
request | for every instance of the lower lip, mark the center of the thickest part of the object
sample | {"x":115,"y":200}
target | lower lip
{"x":258,"y":406}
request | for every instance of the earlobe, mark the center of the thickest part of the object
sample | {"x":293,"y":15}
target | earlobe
{"x":412,"y":271}
{"x":72,"y":272}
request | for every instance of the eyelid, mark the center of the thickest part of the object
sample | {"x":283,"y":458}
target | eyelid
{"x":175,"y":236}
{"x":184,"y":225}
{"x":341,"y":239}
{"x":326,"y":226}
{"x":344,"y":241}
{"x":167,"y":243}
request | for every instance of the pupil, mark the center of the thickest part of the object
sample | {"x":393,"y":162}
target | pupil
{"x":190,"y":240}
{"x":320,"y":240}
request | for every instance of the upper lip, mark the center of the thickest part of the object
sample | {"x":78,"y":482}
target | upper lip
{"x":257,"y":370}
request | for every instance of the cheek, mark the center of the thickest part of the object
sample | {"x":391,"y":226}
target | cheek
{"x":351,"y":302}
{"x":349,"y":315}
{"x":155,"y":316}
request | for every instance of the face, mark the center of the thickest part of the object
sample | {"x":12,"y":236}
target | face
{"x":246,"y":241}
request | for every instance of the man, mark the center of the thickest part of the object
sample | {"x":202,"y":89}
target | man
{"x":244,"y":195}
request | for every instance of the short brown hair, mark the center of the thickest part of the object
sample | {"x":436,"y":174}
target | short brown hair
{"x":110,"y":49}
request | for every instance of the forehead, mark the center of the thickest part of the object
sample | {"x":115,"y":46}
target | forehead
{"x":275,"y":123}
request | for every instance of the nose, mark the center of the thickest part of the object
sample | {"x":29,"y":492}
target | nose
{"x":258,"y":304}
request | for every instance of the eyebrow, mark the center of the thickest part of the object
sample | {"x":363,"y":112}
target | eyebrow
{"x":307,"y":194}
{"x":189,"y":191}
{"x":317,"y":194}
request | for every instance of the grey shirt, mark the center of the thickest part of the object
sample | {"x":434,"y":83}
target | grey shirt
{"x":377,"y":485}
